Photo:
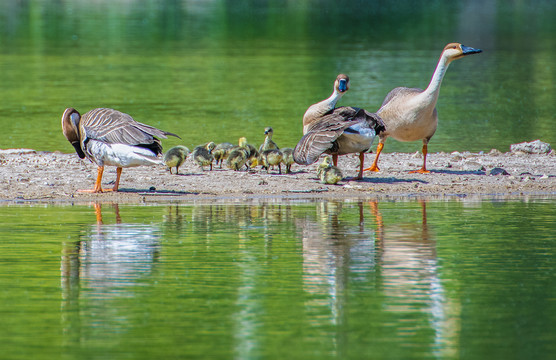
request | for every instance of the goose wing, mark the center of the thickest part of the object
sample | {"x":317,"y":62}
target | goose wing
{"x":322,"y":134}
{"x":114,"y":127}
{"x":400,"y":92}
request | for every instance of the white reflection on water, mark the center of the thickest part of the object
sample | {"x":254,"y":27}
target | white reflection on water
{"x":112,"y":257}
{"x":106,"y":264}
{"x":332,"y":250}
{"x":335,"y":252}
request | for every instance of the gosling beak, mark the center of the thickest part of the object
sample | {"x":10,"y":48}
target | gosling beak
{"x":342,"y":86}
{"x":469,"y":50}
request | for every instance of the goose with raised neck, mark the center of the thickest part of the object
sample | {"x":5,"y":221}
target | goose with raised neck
{"x":409,"y":114}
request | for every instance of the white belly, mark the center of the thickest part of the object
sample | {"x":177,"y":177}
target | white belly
{"x":120,"y":155}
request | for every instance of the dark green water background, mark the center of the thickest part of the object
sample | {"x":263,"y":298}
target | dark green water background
{"x":218,"y":70}
{"x":457,"y":279}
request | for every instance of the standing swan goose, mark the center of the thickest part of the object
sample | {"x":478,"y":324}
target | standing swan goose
{"x":410,"y":114}
{"x":109,"y":137}
{"x":336,"y":131}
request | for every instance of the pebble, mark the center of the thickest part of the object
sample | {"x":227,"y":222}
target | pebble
{"x":498,"y":171}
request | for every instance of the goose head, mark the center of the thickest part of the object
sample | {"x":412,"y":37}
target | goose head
{"x":242,"y":142}
{"x":70,"y":128}
{"x":454,"y":51}
{"x":268,"y":131}
{"x":341,"y":85}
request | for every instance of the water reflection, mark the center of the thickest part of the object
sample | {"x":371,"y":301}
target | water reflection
{"x":328,"y":278}
{"x":396,"y":258}
{"x":332,"y":250}
{"x":107,"y":263}
{"x":410,"y":279}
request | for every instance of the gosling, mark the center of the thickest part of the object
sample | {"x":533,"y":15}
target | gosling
{"x":268,"y":143}
{"x":175,"y":157}
{"x":287,"y":159}
{"x":328,"y":173}
{"x":221,"y":152}
{"x":202,"y":155}
{"x":270,"y":158}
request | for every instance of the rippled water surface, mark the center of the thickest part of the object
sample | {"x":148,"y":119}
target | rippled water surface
{"x":217,"y":70}
{"x":322,"y":280}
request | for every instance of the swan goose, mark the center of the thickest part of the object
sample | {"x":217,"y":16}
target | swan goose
{"x":110,"y":137}
{"x":337,"y":131}
{"x":409,"y":114}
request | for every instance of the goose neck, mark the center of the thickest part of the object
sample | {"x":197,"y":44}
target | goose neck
{"x":434,"y":86}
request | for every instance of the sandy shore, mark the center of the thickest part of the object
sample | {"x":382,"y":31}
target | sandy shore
{"x":29,"y":175}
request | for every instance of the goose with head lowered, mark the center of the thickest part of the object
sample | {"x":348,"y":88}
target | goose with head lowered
{"x":338,"y":131}
{"x":409,"y":114}
{"x":110,"y":137}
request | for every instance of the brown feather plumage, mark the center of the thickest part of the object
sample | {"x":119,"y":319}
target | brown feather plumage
{"x":322,"y":135}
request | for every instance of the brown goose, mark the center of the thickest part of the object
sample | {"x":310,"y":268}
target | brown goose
{"x":109,"y":137}
{"x":316,"y":111}
{"x":410,"y":114}
{"x":341,"y":131}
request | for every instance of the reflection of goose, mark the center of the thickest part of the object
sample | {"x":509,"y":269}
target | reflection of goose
{"x":409,"y":114}
{"x":335,"y":251}
{"x":111,"y":257}
{"x":410,"y":272}
{"x":110,"y":137}
{"x":106,"y":265}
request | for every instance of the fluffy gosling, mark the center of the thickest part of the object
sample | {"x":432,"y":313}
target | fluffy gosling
{"x":175,"y":157}
{"x":268,"y":144}
{"x":271,"y":157}
{"x":221,"y":152}
{"x":202,"y":155}
{"x":328,"y":173}
{"x":287,"y":159}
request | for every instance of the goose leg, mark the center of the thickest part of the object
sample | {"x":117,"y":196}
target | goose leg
{"x":98,"y":183}
{"x":361,"y":162}
{"x":374,"y":166}
{"x":423,"y":170}
{"x":335,"y":160}
{"x":118,"y":174}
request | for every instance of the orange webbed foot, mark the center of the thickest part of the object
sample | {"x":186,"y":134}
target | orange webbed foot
{"x":372,"y":168}
{"x":420,"y":171}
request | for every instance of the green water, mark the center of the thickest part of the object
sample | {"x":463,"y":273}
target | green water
{"x":456,"y":279}
{"x":218,"y":70}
